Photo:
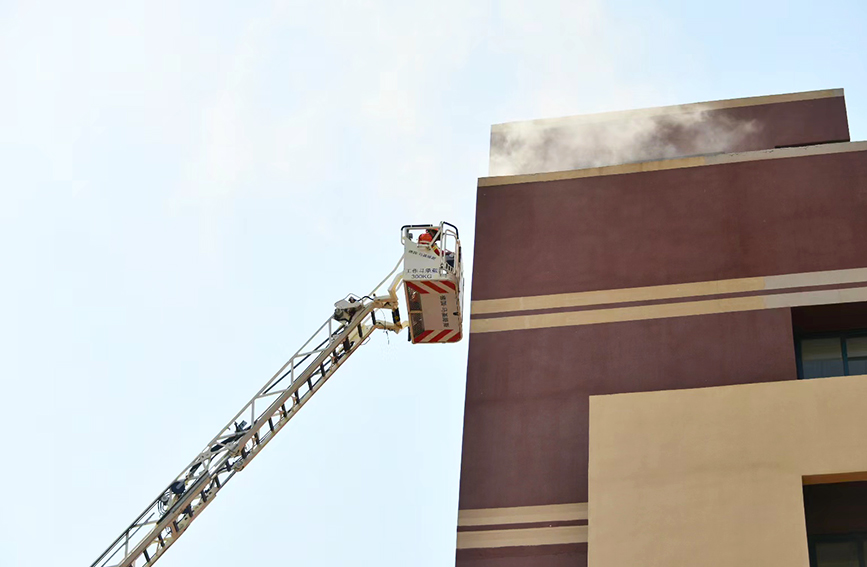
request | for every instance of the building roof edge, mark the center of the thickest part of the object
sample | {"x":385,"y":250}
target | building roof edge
{"x":677,"y":163}
{"x":662,"y":110}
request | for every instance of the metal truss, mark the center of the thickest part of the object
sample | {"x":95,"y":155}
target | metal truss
{"x":247,"y":433}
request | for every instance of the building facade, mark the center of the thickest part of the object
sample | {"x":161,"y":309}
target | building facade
{"x":652,"y":293}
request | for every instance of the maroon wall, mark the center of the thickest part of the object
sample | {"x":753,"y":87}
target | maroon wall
{"x":797,"y":123}
{"x":715,"y":222}
{"x":549,"y":556}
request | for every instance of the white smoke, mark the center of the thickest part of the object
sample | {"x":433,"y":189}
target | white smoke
{"x":562,"y":145}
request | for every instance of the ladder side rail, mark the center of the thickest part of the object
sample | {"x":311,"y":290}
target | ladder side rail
{"x":279,"y":375}
{"x":285,"y":371}
{"x":229,"y":473}
{"x":212,"y":466}
{"x":145,"y":518}
{"x":218,"y":463}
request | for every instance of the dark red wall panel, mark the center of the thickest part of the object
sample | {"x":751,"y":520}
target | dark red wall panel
{"x":573,"y":555}
{"x":696,"y":224}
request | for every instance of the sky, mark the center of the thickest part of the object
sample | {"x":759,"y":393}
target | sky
{"x":186,"y":188}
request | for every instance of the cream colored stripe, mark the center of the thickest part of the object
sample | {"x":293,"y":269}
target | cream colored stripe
{"x":650,"y":293}
{"x":679,"y":163}
{"x":602,"y":297}
{"x":662,"y":110}
{"x":666,"y":310}
{"x":522,"y":514}
{"x":825,"y":297}
{"x":522,"y":537}
{"x":808,"y":279}
{"x":640,"y":167}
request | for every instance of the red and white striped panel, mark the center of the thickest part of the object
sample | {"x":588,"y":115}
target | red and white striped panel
{"x":445,"y":336}
{"x":425,"y":286}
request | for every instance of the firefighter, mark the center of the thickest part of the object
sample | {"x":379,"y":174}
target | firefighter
{"x":430,"y":237}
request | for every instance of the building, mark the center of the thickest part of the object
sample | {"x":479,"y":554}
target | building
{"x":648,"y":288}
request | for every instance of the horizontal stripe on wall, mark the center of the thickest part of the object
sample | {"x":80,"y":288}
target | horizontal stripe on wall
{"x":522,"y":515}
{"x":672,"y":291}
{"x":666,"y":310}
{"x":522,"y":537}
{"x":553,"y":524}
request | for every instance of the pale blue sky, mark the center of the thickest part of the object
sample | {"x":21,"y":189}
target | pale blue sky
{"x":186,"y":188}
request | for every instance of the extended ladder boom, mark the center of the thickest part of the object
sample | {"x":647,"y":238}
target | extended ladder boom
{"x":171,"y":513}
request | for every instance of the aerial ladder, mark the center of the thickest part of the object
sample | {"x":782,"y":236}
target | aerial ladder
{"x":433,"y":289}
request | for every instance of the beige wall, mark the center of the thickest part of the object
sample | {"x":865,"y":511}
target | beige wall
{"x":713,"y":476}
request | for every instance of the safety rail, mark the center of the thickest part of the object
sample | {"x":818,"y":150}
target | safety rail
{"x":448,"y":240}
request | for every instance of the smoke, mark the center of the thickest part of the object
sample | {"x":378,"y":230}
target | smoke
{"x":582,"y":142}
